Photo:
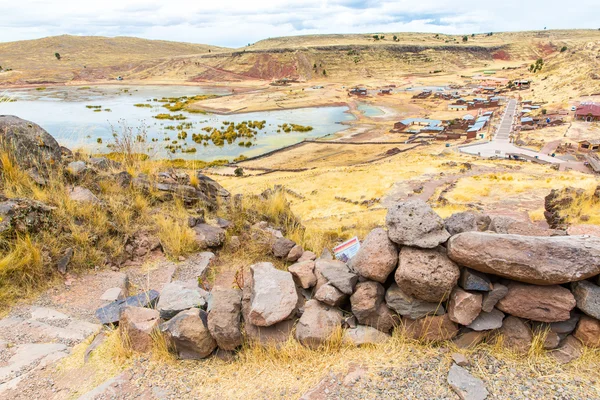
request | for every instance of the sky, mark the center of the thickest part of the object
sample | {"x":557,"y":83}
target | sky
{"x":235,"y":23}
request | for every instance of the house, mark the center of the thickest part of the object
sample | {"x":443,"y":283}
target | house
{"x":423,"y":95}
{"x":588,"y":112}
{"x":526,"y":121}
{"x":385,"y":91}
{"x":357,"y":92}
{"x":522,"y":84}
{"x":422,"y":124}
{"x":589,"y":145}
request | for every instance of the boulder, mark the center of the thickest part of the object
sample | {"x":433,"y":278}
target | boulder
{"x":110,"y":313}
{"x":490,"y":299}
{"x":465,"y":385}
{"x":487,"y":321}
{"x":29,"y":144}
{"x":274,"y":295}
{"x":83,"y":195}
{"x":178,"y":296}
{"x":208,"y":236}
{"x":516,"y":334}
{"x":317,"y":324}
{"x":189,"y":334}
{"x":410,"y":307}
{"x":463,"y":306}
{"x":138,"y":324}
{"x":224,"y":317}
{"x":537,"y":303}
{"x":211,"y":189}
{"x":304,"y":273}
{"x":431,"y":328}
{"x":473,"y":280}
{"x":338,"y":274}
{"x":414,"y":223}
{"x":428,"y":275}
{"x":376,"y":258}
{"x":282,"y":247}
{"x":366,"y":299}
{"x":530,"y":259}
{"x":588,"y":331}
{"x":362,"y":335}
{"x":570,"y":349}
{"x":329,"y":295}
{"x":587,"y":296}
{"x":466,"y":221}
{"x":295,"y":253}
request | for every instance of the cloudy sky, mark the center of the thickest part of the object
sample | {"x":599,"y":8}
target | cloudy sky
{"x":235,"y":23}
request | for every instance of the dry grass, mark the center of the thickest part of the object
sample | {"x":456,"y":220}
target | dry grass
{"x":176,"y":237}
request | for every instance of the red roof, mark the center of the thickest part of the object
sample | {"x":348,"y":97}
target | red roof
{"x":588,"y":109}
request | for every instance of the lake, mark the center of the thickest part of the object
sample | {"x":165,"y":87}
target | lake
{"x":62,"y":112}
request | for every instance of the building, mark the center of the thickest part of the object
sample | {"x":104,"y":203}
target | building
{"x":589,"y":145}
{"x":588,"y":112}
{"x":526,"y":121}
{"x":357,"y":92}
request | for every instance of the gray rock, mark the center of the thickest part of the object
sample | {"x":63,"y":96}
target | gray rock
{"x":307,"y":256}
{"x":376,"y":258}
{"x":490,"y":299}
{"x":208,"y":236}
{"x":109,"y":314}
{"x":223,"y":223}
{"x":466,"y":386}
{"x":123,"y":179}
{"x":329,"y":295}
{"x":460,"y":360}
{"x":338,"y":274}
{"x":189,"y":334}
{"x":473,"y":280}
{"x":224,"y":317}
{"x":362,"y":335}
{"x":566,"y":327}
{"x":587,"y":296}
{"x":102,"y":163}
{"x":410,"y":307}
{"x":464,"y":307}
{"x":211,"y":189}
{"x":414,"y":223}
{"x":317,"y":324}
{"x":282,"y":247}
{"x":64,"y":261}
{"x":274,"y":297}
{"x":83,"y":195}
{"x":304,"y":273}
{"x":178,"y":296}
{"x":77,"y":168}
{"x":113,"y":294}
{"x":23,"y":215}
{"x":501,"y":224}
{"x":487,"y":321}
{"x":466,"y":221}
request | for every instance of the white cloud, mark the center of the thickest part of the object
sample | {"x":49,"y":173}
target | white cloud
{"x":235,"y":23}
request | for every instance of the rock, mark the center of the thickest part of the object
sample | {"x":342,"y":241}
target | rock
{"x":224,"y":318}
{"x":304,"y":273}
{"x":536,"y":260}
{"x":464,"y":307}
{"x":178,"y":296}
{"x":211,"y":189}
{"x":460,"y":360}
{"x":587,"y":296}
{"x":576,"y":230}
{"x":490,"y":299}
{"x":102,"y":163}
{"x":366,"y":299}
{"x":275,"y":335}
{"x":569,"y":350}
{"x":208,"y":236}
{"x":414,"y":223}
{"x":466,"y":221}
{"x":317,"y":324}
{"x":431,"y":328}
{"x":362,"y":335}
{"x":517,"y":334}
{"x":234,"y":243}
{"x":223,"y":223}
{"x":568,"y":326}
{"x":83,"y":195}
{"x":376,"y":258}
{"x":588,"y":331}
{"x":282,"y":247}
{"x":469,"y":340}
{"x":138,"y":324}
{"x":274,"y":295}
{"x":29,"y":144}
{"x":410,"y":307}
{"x":350,"y":322}
{"x":307,"y":256}
{"x":382,"y":319}
{"x":428,"y":275}
{"x":64,"y":261}
{"x":109,"y":314}
{"x":551,"y":340}
{"x":473,"y":280}
{"x":466,"y":386}
{"x":487,"y":321}
{"x":329,"y":295}
{"x":23,"y":215}
{"x":326,"y":255}
{"x":77,"y":168}
{"x":338,"y":274}
{"x":537,"y":303}
{"x":501,"y":224}
{"x":123,"y":179}
{"x":113,"y":294}
{"x":558,"y":202}
{"x":295,"y":253}
{"x":188,"y":332}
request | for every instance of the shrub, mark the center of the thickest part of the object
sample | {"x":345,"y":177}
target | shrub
{"x":57,"y":55}
{"x":239,"y":171}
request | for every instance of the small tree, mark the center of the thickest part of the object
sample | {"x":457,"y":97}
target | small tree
{"x":57,"y":55}
{"x":324,"y":73}
{"x":472,"y":35}
{"x":564,"y":48}
{"x":395,"y":38}
{"x":465,"y":38}
{"x":376,"y":37}
{"x":239,"y":171}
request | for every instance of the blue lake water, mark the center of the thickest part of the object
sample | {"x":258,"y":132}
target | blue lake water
{"x":369,"y":110}
{"x":62,"y":112}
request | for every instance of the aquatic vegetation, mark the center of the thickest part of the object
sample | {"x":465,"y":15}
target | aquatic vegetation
{"x":287,"y":128}
{"x":175,"y":104}
{"x":143,"y":105}
{"x":177,"y":117}
{"x":93,"y":107}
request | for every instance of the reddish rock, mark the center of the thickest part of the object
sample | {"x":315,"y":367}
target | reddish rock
{"x":516,"y":334}
{"x":138,"y":324}
{"x":431,"y":329}
{"x":537,"y":303}
{"x":224,"y":317}
{"x":376,"y":258}
{"x":569,"y":350}
{"x":304,"y":273}
{"x":317,"y":324}
{"x":295,"y":253}
{"x":470,"y":339}
{"x":588,"y":331}
{"x":366,"y":299}
{"x":330,"y":295}
{"x":464,"y":307}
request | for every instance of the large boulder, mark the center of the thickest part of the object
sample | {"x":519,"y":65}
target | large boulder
{"x":362,"y":335}
{"x":537,"y":303}
{"x":414,"y":223}
{"x":588,"y":331}
{"x":431,"y":328}
{"x":587,"y":296}
{"x":530,"y":259}
{"x":224,"y":317}
{"x":29,"y":144}
{"x":178,"y":296}
{"x":189,"y":334}
{"x":208,"y":236}
{"x":428,"y":275}
{"x":138,"y":324}
{"x":274,"y":297}
{"x":410,"y":307}
{"x":516,"y":334}
{"x":464,"y":306}
{"x":337,"y":274}
{"x":317,"y":324}
{"x":376,"y":258}
{"x":304,"y":273}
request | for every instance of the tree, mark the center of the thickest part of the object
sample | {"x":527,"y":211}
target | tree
{"x":324,"y":73}
{"x":544,"y":111}
{"x":472,"y":35}
{"x":376,"y":37}
{"x":239,"y":171}
{"x":465,"y":38}
{"x":395,"y":38}
{"x":57,"y":55}
{"x":564,"y":48}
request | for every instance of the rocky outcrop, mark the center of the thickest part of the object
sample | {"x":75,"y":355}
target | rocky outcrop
{"x":376,"y":258}
{"x":274,"y":297}
{"x":189,"y":334}
{"x":414,"y":223}
{"x":23,"y":215}
{"x":317,"y":324}
{"x":537,"y":303}
{"x":537,"y":260}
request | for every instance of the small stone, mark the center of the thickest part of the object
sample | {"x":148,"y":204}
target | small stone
{"x":362,"y":335}
{"x":113,"y":294}
{"x":460,"y":360}
{"x":431,"y":329}
{"x":188,"y":332}
{"x":464,"y":307}
{"x":570,"y":349}
{"x":414,"y":223}
{"x":466,"y":386}
{"x":282,"y":247}
{"x":487,"y":321}
{"x":224,"y":318}
{"x":64,"y":261}
{"x":517,"y":334}
{"x":304,"y":273}
{"x":178,"y":296}
{"x":274,"y":297}
{"x":469,"y":340}
{"x":208,"y":236}
{"x":587,"y":296}
{"x":490,"y":299}
{"x":588,"y":331}
{"x":308,"y":256}
{"x":295,"y":253}
{"x":83,"y":195}
{"x":109,"y":314}
{"x":473,"y":280}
